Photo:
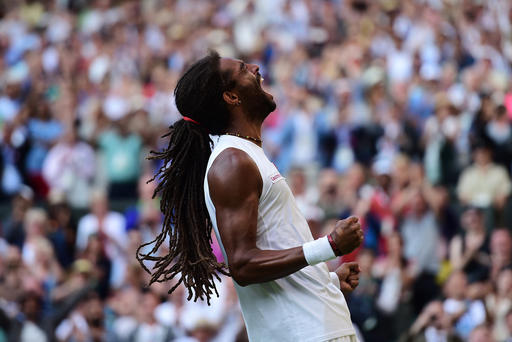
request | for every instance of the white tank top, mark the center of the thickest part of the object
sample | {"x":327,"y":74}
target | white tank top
{"x":304,"y":306}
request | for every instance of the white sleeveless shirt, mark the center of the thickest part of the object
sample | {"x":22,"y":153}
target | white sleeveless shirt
{"x":304,"y":306}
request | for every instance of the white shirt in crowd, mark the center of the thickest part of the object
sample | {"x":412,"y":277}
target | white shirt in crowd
{"x":70,"y":169}
{"x":114,"y":227}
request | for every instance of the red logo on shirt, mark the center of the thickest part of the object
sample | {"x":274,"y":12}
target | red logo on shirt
{"x":276,"y":177}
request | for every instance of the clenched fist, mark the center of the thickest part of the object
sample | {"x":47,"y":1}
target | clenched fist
{"x":348,"y":274}
{"x":347,"y":235}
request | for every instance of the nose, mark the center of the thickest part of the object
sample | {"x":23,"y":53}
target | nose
{"x":254,"y":68}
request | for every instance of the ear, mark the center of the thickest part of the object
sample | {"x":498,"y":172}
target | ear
{"x":231,"y":98}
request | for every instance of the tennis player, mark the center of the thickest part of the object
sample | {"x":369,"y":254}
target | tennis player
{"x":285,"y":289}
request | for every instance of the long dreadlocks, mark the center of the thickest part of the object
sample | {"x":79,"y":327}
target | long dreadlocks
{"x":187,"y":225}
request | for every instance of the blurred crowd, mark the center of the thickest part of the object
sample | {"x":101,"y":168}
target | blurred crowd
{"x":398,"y":112}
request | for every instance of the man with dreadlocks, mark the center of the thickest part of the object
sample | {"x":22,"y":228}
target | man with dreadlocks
{"x":285,"y":289}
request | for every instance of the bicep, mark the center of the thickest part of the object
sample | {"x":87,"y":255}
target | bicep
{"x":235,"y":187}
{"x":237,"y":226}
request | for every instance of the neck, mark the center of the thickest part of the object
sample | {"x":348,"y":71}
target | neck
{"x":241,"y":125}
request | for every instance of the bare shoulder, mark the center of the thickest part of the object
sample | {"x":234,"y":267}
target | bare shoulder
{"x":234,"y":173}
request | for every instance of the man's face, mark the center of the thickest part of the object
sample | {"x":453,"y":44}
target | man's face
{"x":248,"y":87}
{"x":456,"y":286}
{"x":501,"y":243}
{"x":94,"y":312}
{"x":31,"y":308}
{"x":472,"y":220}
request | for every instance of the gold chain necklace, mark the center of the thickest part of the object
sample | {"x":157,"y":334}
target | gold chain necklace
{"x":244,"y":137}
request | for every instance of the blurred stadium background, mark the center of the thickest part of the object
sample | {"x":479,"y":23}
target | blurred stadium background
{"x":398,"y":112}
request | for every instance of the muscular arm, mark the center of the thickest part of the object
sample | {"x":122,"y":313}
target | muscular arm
{"x":235,"y":187}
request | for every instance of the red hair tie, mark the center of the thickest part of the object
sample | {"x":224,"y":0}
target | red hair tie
{"x":186,"y":118}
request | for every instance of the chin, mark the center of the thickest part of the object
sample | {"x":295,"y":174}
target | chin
{"x":273,"y":106}
{"x":270,"y":105}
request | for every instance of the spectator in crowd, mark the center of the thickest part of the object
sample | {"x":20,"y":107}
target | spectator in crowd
{"x":499,"y":130}
{"x":501,"y":251}
{"x":484,"y":184}
{"x":420,"y":233}
{"x":108,"y":229}
{"x":469,"y":250}
{"x":69,"y":169}
{"x":31,"y":324}
{"x":147,"y":328}
{"x":361,"y":303}
{"x":396,"y":278}
{"x":43,"y":131}
{"x":12,"y":227}
{"x":124,"y":305}
{"x":432,"y":324}
{"x":85,"y":323}
{"x":440,"y":134}
{"x":500,"y":303}
{"x":37,"y":252}
{"x":121,"y":152}
{"x":465,"y":313}
{"x":329,"y":193}
{"x":62,"y":232}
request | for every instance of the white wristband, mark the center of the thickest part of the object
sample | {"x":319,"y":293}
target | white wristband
{"x":317,"y":251}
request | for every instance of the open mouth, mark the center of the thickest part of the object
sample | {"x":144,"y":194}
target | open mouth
{"x":260,"y":79}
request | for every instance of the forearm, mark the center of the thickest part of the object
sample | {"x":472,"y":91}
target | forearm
{"x":259,"y":266}
{"x":468,"y":255}
{"x":252,"y":265}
